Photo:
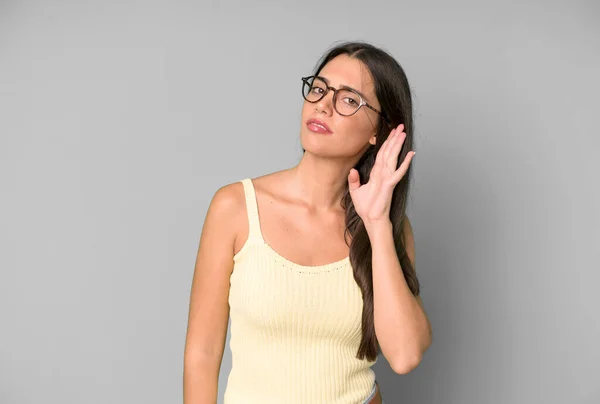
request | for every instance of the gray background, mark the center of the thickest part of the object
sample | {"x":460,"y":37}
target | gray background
{"x":120,"y":119}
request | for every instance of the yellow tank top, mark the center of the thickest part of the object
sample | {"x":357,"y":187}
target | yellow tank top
{"x":295,"y":329}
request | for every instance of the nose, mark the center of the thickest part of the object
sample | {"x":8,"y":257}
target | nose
{"x":325,"y":104}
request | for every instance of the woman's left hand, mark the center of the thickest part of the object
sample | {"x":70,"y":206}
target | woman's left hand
{"x":372,"y":200}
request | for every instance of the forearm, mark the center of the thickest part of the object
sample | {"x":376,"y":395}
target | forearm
{"x":200,"y":379}
{"x":401,"y":325}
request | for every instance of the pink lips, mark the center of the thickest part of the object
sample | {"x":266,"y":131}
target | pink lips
{"x":318,"y":126}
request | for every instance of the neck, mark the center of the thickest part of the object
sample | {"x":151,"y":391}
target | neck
{"x":321,"y":182}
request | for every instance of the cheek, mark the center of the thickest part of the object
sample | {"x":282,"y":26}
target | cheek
{"x":356,"y":129}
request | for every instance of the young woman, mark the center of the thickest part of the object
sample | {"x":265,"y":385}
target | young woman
{"x":315,"y":264}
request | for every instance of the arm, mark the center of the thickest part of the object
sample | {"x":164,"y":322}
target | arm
{"x":401,"y":325}
{"x":209,"y":307}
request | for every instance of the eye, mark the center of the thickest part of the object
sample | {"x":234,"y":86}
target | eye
{"x":350,"y":101}
{"x":317,"y":90}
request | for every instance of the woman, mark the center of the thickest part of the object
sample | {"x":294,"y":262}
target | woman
{"x":315,"y":269}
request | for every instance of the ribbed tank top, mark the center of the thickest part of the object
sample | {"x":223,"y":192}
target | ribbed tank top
{"x":295,"y":329}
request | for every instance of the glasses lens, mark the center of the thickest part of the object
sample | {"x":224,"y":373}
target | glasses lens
{"x":313,"y":89}
{"x":347,"y":102}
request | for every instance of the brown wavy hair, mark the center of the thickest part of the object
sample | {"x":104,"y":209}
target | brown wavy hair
{"x":394,"y":95}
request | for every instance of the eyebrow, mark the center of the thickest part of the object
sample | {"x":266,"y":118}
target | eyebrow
{"x":347,"y":88}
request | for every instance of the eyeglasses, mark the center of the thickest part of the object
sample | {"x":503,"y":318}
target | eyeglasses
{"x":346,"y":101}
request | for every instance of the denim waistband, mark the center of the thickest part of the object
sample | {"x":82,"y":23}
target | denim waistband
{"x":372,"y":394}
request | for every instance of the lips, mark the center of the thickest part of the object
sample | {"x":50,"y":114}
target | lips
{"x":318,"y":126}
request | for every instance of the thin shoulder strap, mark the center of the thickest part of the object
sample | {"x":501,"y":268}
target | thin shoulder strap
{"x":251,"y":209}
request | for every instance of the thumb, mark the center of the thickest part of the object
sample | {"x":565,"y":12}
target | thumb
{"x":353,"y":180}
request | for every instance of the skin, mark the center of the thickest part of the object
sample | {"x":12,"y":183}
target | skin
{"x":301,"y":219}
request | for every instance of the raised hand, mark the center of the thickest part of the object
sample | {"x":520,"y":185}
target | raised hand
{"x":372,"y":200}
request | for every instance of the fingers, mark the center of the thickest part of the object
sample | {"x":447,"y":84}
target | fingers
{"x":380,"y":158}
{"x":399,"y":173}
{"x":387,"y":157}
{"x":395,"y":142}
{"x":353,"y":180}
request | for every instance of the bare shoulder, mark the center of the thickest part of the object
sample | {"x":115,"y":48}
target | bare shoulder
{"x":227,"y":211}
{"x":227,"y":200}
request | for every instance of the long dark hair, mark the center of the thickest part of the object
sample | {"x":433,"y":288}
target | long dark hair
{"x":394,"y":95}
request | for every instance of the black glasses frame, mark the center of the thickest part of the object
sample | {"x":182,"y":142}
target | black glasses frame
{"x":335,"y":93}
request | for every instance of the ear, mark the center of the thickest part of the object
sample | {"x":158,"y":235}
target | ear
{"x":373,"y":140}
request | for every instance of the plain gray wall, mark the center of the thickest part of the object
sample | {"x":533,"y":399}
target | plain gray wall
{"x":120,"y":119}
